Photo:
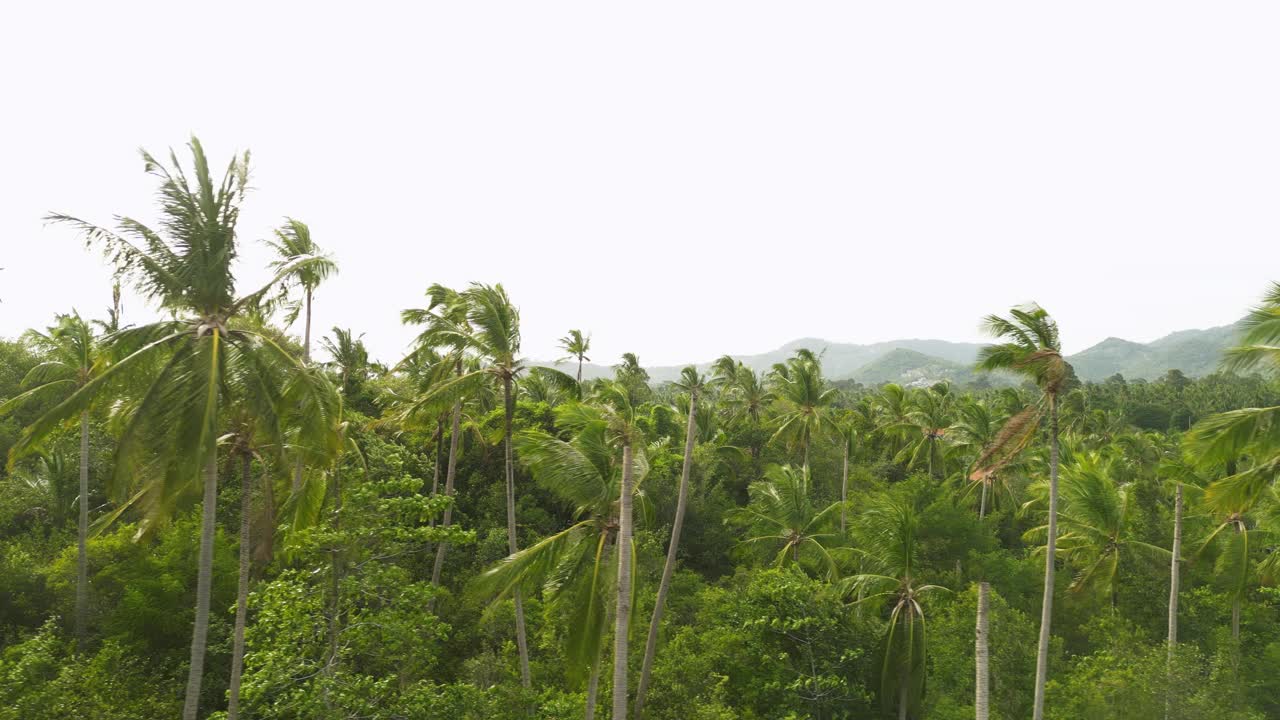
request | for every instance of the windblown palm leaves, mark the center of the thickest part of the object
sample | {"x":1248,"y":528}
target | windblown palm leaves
{"x":925,"y":427}
{"x":1097,"y":531}
{"x":204,"y":360}
{"x":782,"y":519}
{"x":804,"y":401}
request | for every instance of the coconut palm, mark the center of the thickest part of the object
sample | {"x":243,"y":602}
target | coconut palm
{"x":349,"y":358}
{"x":888,"y":545}
{"x":573,"y":564}
{"x":928,"y":421}
{"x":577,"y":346}
{"x":71,"y":358}
{"x":805,"y":402}
{"x":491,"y":332}
{"x":293,"y":241}
{"x":1097,"y":532}
{"x":1032,"y":349}
{"x":202,"y":361}
{"x":782,"y":518}
{"x":693,"y":383}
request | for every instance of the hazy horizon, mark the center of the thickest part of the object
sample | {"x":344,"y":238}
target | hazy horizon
{"x":680,"y":180}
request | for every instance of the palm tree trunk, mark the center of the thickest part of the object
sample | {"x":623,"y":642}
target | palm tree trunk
{"x":902,"y":699}
{"x":1174,"y":580}
{"x":982,"y":655}
{"x":204,"y":584}
{"x":335,"y":575}
{"x":449,"y":475}
{"x":844,"y":485}
{"x":82,"y":537}
{"x":1046,"y":607}
{"x":306,"y":360}
{"x":1235,"y":620}
{"x":982,"y":507}
{"x":579,"y":370}
{"x":509,"y":412}
{"x":242,"y":592}
{"x":664,"y":587}
{"x":622,"y":619}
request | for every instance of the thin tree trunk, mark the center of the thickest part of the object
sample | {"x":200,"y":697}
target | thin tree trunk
{"x":82,"y":538}
{"x":1174,"y":580}
{"x":1235,"y":621}
{"x":1046,"y":607}
{"x":449,"y":475}
{"x":204,"y":583}
{"x":509,"y":411}
{"x":335,"y":574}
{"x":982,"y":508}
{"x":844,"y":485}
{"x":306,"y":360}
{"x":902,"y":699}
{"x":242,"y":591}
{"x":622,"y":620}
{"x":579,"y":370}
{"x":982,"y":656}
{"x":668,"y":569}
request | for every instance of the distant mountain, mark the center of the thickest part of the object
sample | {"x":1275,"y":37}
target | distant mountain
{"x":1194,"y":352}
{"x":923,"y":362}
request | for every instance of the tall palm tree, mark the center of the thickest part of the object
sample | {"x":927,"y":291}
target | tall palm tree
{"x":1032,"y":349}
{"x":573,"y":564}
{"x":202,"y":360}
{"x":783,"y":518}
{"x":71,"y":357}
{"x":805,"y":401}
{"x":577,"y":345}
{"x":888,"y":542}
{"x":293,"y":241}
{"x":975,"y":429}
{"x":693,"y":383}
{"x":349,"y":357}
{"x":928,"y":421}
{"x":492,"y":333}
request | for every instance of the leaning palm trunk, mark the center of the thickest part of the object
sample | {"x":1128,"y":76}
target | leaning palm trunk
{"x":982,"y":656}
{"x":509,"y":410}
{"x":242,"y":593}
{"x":622,"y":620}
{"x":1046,"y":608}
{"x":646,"y":667}
{"x":82,"y":535}
{"x":204,"y":583}
{"x":449,"y":475}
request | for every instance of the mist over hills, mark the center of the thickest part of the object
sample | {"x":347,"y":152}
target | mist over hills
{"x":926,"y":361}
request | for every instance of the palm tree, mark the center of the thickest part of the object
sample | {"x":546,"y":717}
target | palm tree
{"x":888,"y":544}
{"x":492,"y":332}
{"x":694,"y":384}
{"x":293,"y":241}
{"x":975,"y":430}
{"x":1031,"y":348}
{"x":1096,"y":528}
{"x":982,"y":654}
{"x":783,"y":518}
{"x":202,"y":361}
{"x":928,"y":420}
{"x":577,"y":345}
{"x":805,"y":402}
{"x":71,"y":358}
{"x":349,"y":357}
{"x":573,"y":564}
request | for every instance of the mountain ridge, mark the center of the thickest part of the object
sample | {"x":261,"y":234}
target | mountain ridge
{"x":920,"y":361}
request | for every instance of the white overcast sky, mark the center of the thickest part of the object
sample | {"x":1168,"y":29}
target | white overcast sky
{"x":681,"y":179}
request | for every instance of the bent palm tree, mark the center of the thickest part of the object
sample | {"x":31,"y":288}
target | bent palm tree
{"x":1031,"y":348}
{"x":201,"y":360}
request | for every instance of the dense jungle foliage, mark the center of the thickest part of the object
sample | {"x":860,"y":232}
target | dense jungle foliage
{"x":199,"y":518}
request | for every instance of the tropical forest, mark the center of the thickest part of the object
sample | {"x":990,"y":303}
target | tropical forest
{"x":221,"y":506}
